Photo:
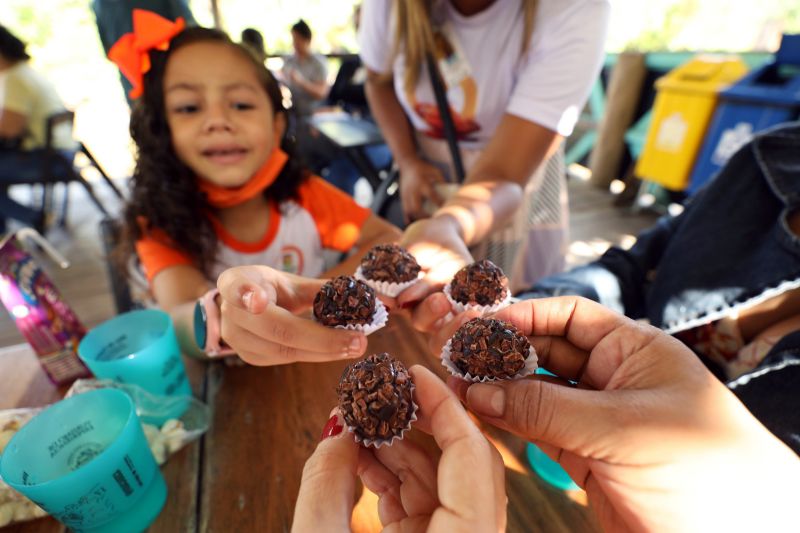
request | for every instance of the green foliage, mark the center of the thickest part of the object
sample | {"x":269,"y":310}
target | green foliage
{"x":661,"y":37}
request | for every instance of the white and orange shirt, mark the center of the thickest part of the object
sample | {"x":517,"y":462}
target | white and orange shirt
{"x":322,"y":218}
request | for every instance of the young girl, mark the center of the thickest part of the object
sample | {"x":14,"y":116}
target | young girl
{"x":216,"y":184}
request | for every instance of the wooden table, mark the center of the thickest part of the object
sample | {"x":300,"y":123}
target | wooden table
{"x":245,"y":473}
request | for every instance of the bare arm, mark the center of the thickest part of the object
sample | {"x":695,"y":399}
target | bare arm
{"x":176,"y":290}
{"x":492,"y":190}
{"x":491,"y":194}
{"x":418,"y":178}
{"x":12,"y":124}
{"x":319,"y":90}
{"x":391,"y":118}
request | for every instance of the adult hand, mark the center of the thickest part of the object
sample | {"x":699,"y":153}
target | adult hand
{"x":418,"y":181}
{"x":259,"y":307}
{"x":462,"y":490}
{"x":439,"y":250}
{"x":658,"y":442}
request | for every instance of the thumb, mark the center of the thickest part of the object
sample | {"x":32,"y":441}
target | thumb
{"x":245,"y":288}
{"x":577,"y":420}
{"x":325,"y":501}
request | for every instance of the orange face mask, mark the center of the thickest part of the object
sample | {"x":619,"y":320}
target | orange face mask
{"x":222,"y":197}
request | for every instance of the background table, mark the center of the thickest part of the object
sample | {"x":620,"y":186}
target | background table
{"x":244,"y":474}
{"x":351,"y":136}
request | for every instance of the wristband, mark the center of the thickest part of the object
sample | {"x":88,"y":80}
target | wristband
{"x":207,"y":325}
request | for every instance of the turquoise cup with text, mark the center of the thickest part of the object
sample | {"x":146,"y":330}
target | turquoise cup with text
{"x":85,"y":460}
{"x":139,"y":348}
{"x":546,"y":468}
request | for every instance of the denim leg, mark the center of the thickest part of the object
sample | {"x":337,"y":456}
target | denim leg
{"x":11,"y":209}
{"x":20,"y":167}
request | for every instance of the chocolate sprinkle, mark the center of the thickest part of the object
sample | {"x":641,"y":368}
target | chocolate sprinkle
{"x":486,"y":347}
{"x":375,"y":397}
{"x":344,"y":300}
{"x":481,"y":283}
{"x":389,"y":262}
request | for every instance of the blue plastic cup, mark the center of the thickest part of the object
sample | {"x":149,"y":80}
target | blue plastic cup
{"x":139,"y":347}
{"x":549,"y":470}
{"x":85,"y":460}
{"x":546,"y":468}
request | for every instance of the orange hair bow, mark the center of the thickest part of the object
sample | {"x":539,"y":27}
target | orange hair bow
{"x":150,"y":31}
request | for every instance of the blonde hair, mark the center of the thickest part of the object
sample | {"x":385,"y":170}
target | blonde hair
{"x":414,"y":34}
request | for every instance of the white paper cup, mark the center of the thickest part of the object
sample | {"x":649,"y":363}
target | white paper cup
{"x":484,"y":310}
{"x":386,"y":288}
{"x":531,"y":364}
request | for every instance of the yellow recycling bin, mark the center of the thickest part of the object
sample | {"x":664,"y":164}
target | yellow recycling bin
{"x":685,"y":101}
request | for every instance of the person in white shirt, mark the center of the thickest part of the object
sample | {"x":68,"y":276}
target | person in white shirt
{"x":26,"y":100}
{"x":517,"y":73}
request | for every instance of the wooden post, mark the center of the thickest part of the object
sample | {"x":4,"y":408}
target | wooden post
{"x":217,"y":15}
{"x":622,"y":97}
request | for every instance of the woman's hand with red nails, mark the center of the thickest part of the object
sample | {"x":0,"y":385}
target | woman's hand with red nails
{"x":327,"y":489}
{"x":461,"y":489}
{"x":658,"y":443}
{"x":259,"y":307}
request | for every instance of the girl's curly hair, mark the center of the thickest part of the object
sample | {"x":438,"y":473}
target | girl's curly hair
{"x":164,"y":190}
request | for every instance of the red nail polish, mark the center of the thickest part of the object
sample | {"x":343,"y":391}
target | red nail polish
{"x":409,"y":305}
{"x":332,"y":428}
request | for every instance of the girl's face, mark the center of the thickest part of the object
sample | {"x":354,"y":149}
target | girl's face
{"x":220,"y":118}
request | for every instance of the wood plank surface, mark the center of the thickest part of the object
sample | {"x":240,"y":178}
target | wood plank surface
{"x":267,"y":421}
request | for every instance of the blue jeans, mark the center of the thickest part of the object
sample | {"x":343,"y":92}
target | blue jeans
{"x":21,"y":167}
{"x":342,"y":173}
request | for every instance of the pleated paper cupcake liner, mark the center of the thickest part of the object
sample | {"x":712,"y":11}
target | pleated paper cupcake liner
{"x":459,"y":307}
{"x":379,"y":318}
{"x":386,"y":288}
{"x":531,"y":364}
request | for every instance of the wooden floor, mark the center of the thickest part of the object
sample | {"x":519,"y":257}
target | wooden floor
{"x":595,"y":224}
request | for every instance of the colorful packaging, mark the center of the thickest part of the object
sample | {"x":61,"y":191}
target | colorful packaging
{"x":41,"y":315}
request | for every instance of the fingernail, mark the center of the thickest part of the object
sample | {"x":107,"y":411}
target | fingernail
{"x":355,"y":347}
{"x":332,"y":428}
{"x":487,"y":400}
{"x":409,"y":305}
{"x":439,"y":305}
{"x":247,"y":298}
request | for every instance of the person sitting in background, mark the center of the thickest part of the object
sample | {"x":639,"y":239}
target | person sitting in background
{"x":26,"y":100}
{"x":306,"y":76}
{"x":723,"y":277}
{"x":305,"y":73}
{"x":254,"y":41}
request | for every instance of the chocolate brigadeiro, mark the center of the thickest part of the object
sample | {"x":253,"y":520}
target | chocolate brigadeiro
{"x":486,"y":347}
{"x":375,"y":397}
{"x":389,"y":262}
{"x":482,"y":283}
{"x":344,"y":300}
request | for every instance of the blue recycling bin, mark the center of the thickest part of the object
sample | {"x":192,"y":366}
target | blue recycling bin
{"x":765,"y":97}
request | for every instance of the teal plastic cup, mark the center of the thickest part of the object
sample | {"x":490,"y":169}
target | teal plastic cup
{"x":139,"y":348}
{"x":549,"y":470}
{"x":546,"y":468}
{"x":85,"y":460}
